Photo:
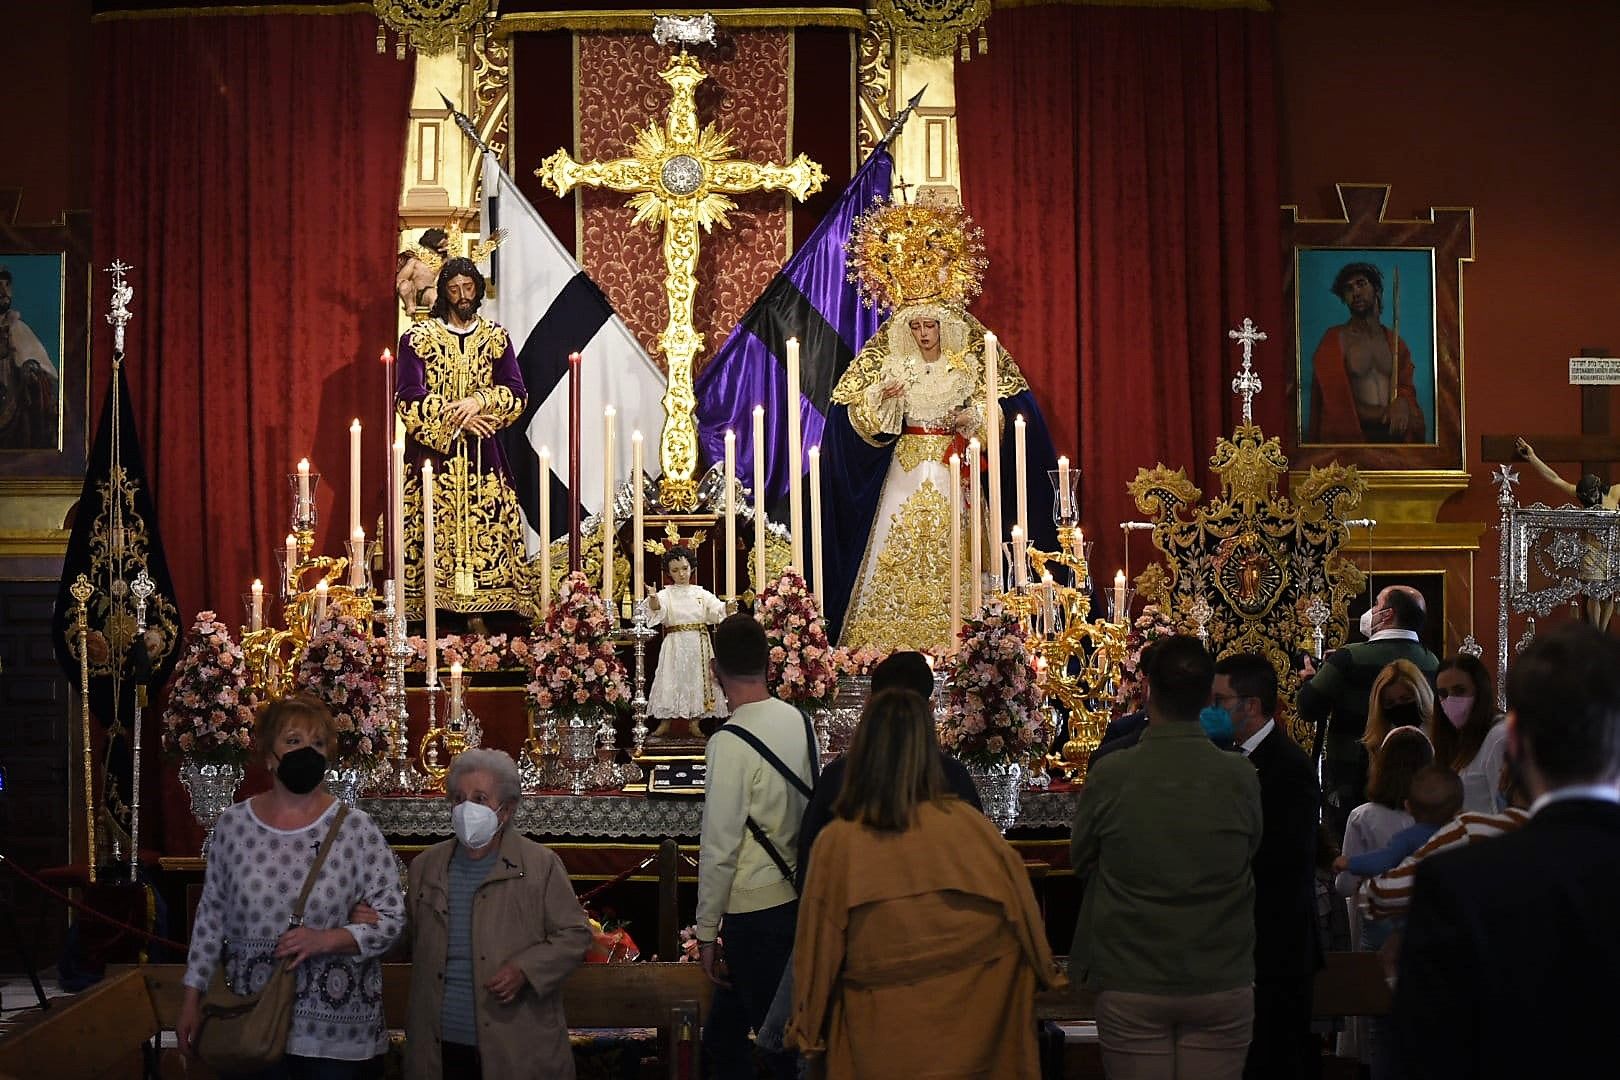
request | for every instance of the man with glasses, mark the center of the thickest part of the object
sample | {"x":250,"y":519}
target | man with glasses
{"x":1287,"y":950}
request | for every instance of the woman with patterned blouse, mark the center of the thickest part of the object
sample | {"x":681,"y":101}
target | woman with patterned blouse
{"x":263,"y":848}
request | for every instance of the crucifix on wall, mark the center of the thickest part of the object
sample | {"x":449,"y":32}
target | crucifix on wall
{"x":1595,"y":371}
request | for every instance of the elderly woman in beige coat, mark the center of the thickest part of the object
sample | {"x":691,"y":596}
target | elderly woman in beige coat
{"x":495,"y":929}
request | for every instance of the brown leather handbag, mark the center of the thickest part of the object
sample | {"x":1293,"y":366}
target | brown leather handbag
{"x":246,"y":1032}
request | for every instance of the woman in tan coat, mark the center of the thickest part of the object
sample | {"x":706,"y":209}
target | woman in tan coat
{"x":919,"y":942}
{"x":495,"y":929}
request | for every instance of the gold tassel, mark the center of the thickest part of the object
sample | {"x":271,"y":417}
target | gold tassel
{"x":984,"y":41}
{"x":382,"y":39}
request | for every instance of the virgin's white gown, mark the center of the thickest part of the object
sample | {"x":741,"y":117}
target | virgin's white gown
{"x":682,"y":686}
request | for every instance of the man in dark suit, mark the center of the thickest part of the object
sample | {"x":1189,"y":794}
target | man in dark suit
{"x":901,"y":671}
{"x":1512,"y":944}
{"x":1334,"y":702}
{"x":1287,"y":949}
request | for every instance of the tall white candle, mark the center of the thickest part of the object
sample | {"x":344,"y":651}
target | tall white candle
{"x":1020,"y":564}
{"x":256,"y":620}
{"x":1063,"y":488}
{"x":354,"y":475}
{"x":638,"y":517}
{"x":320,"y":601}
{"x":357,"y":557}
{"x":992,"y":436}
{"x":397,"y":534}
{"x":956,"y":549}
{"x":795,"y":458}
{"x":456,"y":688}
{"x":1120,"y":614}
{"x":608,"y":416}
{"x":815,"y":520}
{"x":303,"y":487}
{"x":545,"y":530}
{"x":430,"y":607}
{"x":1021,"y":474}
{"x":975,"y":532}
{"x":292,"y":565}
{"x":731,"y":514}
{"x":759,"y":496}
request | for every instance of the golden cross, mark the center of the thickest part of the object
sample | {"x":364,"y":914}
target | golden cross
{"x":681,"y":177}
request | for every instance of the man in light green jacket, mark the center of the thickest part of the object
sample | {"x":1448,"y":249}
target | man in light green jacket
{"x":1166,"y":832}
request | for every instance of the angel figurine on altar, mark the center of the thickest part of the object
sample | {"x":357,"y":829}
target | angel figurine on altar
{"x":683,"y":686}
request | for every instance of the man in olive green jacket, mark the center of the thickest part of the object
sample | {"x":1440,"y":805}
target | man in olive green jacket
{"x":1166,"y":832}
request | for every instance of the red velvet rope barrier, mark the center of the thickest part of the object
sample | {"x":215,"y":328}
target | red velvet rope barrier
{"x":90,"y":911}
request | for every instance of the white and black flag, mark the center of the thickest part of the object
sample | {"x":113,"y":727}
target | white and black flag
{"x":552,"y":308}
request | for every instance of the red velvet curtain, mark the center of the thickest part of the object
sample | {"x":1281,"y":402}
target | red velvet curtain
{"x":1123,"y":164}
{"x":249,"y":169}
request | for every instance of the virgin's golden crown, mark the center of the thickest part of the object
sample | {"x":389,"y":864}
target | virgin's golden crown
{"x":905,"y":254}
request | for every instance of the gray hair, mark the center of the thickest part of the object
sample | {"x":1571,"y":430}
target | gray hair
{"x":498,"y":763}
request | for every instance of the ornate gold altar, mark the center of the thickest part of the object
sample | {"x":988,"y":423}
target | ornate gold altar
{"x":1253,"y":570}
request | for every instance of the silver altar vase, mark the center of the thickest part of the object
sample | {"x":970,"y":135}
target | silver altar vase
{"x":212,"y":788}
{"x":345,"y":782}
{"x":1000,"y":788}
{"x":578,"y":738}
{"x":849,"y":701}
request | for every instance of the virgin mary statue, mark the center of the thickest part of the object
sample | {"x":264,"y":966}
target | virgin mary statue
{"x":912,"y":397}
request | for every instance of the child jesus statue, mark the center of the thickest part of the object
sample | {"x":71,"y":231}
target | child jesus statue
{"x":683,"y":687}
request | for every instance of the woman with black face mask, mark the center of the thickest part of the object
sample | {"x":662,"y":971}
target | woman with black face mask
{"x":263,"y":849}
{"x":1402,"y":697}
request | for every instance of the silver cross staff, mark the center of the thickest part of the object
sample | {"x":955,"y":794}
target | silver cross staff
{"x":122,"y":294}
{"x":1247,"y":383}
{"x":142,"y":587}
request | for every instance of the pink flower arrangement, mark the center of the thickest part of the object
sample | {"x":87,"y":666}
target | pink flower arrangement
{"x":575,"y":666}
{"x":211,"y":703}
{"x":801,"y":661}
{"x":995,"y":707}
{"x":1150,"y":626}
{"x":497,"y":652}
{"x":343,"y":667}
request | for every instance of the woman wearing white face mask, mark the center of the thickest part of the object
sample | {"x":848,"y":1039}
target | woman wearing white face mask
{"x":1464,"y":688}
{"x":495,"y":929}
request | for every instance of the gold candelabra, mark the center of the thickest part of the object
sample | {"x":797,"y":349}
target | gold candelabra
{"x":1079,"y":660}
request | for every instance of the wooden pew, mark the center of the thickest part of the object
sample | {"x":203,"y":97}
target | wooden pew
{"x":99,"y":1033}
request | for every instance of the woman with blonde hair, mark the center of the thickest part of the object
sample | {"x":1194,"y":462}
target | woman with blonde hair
{"x":913,"y":905}
{"x":1402,"y":697}
{"x":263,"y":849}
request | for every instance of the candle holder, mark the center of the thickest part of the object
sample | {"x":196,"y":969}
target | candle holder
{"x":247,"y":612}
{"x":359,"y":567}
{"x":400,"y":776}
{"x":1017,"y":568}
{"x":285,"y":574}
{"x":641,"y":633}
{"x":304,"y":515}
{"x":1122,"y":614}
{"x":1059,"y":515}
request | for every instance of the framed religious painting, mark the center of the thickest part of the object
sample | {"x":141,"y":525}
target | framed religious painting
{"x":44,"y":349}
{"x":1375,"y":306}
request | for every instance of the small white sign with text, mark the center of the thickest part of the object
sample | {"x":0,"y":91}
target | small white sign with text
{"x":1594,"y":371}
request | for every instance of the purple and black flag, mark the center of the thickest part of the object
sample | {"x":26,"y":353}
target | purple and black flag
{"x":811,"y":299}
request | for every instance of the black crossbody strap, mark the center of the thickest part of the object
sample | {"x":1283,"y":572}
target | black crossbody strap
{"x":314,"y":871}
{"x":764,"y":841}
{"x":754,"y":827}
{"x":775,"y":762}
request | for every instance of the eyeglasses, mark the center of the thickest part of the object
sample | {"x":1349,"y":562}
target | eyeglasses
{"x":1218,"y":698}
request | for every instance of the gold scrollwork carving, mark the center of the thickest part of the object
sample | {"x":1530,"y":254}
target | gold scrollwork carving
{"x":1243,"y":568}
